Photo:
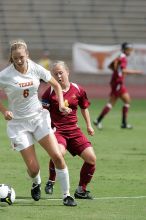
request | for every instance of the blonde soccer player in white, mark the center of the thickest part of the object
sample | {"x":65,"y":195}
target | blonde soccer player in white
{"x":28,"y":121}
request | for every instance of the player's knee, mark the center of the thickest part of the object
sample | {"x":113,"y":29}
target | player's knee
{"x":91,"y":159}
{"x":127,"y":105}
{"x":33,"y":171}
{"x":58,"y":161}
{"x":109,"y":105}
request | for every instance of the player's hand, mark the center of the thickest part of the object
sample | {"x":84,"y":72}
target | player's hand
{"x":8,"y":115}
{"x":65,"y":110}
{"x":90,"y":131}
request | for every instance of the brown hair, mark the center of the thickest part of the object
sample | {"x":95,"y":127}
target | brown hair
{"x":16,"y":44}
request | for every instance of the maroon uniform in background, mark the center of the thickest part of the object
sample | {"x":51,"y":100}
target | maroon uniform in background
{"x":117,"y":81}
{"x":67,"y":131}
{"x":118,"y":88}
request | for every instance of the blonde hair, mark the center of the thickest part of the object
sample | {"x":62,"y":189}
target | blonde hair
{"x":59,"y":62}
{"x":16,"y":44}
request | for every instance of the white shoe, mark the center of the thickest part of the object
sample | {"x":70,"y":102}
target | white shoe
{"x":98,"y":125}
{"x":128,"y":126}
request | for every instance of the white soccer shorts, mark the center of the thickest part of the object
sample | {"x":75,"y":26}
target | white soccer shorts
{"x":23,"y":132}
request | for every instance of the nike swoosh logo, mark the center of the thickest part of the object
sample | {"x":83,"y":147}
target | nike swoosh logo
{"x":8,"y":201}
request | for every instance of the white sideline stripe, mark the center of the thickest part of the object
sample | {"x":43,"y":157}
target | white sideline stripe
{"x":121,"y":197}
{"x":98,"y":198}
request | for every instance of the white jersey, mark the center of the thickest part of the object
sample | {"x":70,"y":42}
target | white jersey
{"x":22,"y":89}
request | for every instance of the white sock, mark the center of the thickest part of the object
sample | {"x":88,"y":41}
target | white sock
{"x":63,"y":177}
{"x":79,"y":189}
{"x":37,"y":178}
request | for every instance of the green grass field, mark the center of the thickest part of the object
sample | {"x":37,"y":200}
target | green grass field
{"x":119,"y":184}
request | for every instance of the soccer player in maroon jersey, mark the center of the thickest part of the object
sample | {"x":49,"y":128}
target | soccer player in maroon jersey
{"x":68,"y":134}
{"x":118,"y":88}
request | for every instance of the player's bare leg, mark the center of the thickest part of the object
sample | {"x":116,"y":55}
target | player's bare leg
{"x":49,"y":143}
{"x":33,"y":169}
{"x":52,"y":173}
{"x":107,"y":108}
{"x":126,"y":99}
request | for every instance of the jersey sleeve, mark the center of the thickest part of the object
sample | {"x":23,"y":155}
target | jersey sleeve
{"x":123,"y":62}
{"x":45,"y":98}
{"x":83,"y":99}
{"x":43,"y":73}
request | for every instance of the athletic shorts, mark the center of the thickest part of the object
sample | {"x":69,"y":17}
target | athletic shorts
{"x":118,"y":90}
{"x":23,"y":132}
{"x":75,"y":142}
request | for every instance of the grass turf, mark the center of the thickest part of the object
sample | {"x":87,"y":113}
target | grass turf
{"x":118,"y":183}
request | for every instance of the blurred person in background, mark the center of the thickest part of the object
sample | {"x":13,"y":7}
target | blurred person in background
{"x":45,"y":60}
{"x":68,"y":134}
{"x":118,"y":88}
{"x":27,"y":121}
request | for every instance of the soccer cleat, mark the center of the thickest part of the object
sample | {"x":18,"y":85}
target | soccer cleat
{"x":83,"y":195}
{"x":36,"y":191}
{"x":49,"y":187}
{"x":98,"y":124}
{"x":69,"y":201}
{"x":128,"y":126}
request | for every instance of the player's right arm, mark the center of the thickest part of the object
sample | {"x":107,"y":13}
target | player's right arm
{"x":8,"y":115}
{"x":47,"y":77}
{"x":57,"y":88}
{"x":114,"y":65}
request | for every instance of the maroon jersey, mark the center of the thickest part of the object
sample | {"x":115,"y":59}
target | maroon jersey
{"x":75,"y":96}
{"x":117,"y":82}
{"x":117,"y":76}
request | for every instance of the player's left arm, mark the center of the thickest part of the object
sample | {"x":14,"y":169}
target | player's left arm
{"x":126,"y":71}
{"x":84,"y":104}
{"x":86,"y":116}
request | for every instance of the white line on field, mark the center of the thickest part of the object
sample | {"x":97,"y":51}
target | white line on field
{"x":121,"y":197}
{"x":97,"y":198}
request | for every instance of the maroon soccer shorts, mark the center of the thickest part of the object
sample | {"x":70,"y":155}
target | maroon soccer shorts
{"x":118,"y":90}
{"x":74,"y":141}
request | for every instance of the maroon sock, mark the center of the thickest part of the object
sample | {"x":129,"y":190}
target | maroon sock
{"x":124,"y":114}
{"x":103,"y":113}
{"x":52,"y":171}
{"x":86,"y":174}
